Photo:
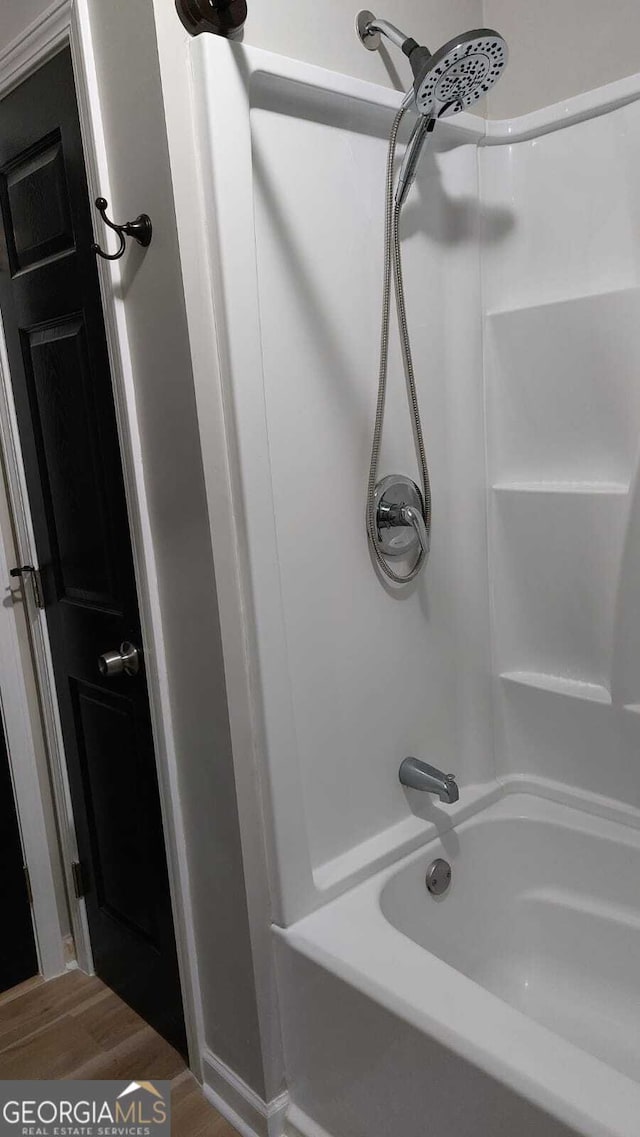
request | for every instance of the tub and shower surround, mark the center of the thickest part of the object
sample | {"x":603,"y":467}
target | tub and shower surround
{"x":510,"y":1003}
{"x":516,"y":985}
{"x":507,"y":1006}
{"x":562,"y":335}
{"x":351,"y":677}
{"x":384,"y":1026}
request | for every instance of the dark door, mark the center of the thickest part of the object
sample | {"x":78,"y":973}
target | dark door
{"x":50,"y":301}
{"x":18,"y":958}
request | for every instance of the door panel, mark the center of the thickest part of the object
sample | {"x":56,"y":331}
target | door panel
{"x":50,"y":299}
{"x":18,"y":957}
{"x":36,"y":204}
{"x":73,"y":475}
{"x":112,"y":772}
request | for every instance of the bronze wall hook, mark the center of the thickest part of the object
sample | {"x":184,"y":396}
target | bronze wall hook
{"x":141,"y":230}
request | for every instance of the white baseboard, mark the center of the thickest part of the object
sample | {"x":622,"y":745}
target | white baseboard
{"x":299,"y":1124}
{"x":242,"y":1107}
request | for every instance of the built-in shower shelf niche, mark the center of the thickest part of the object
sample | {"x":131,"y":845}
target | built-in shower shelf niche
{"x":564,"y":391}
{"x":568,"y":488}
{"x":556,"y":557}
{"x":559,"y":685}
{"x":567,"y":735}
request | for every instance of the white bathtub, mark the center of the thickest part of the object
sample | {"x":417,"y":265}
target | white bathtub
{"x":510,"y":1007}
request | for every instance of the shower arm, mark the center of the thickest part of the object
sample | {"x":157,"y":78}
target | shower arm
{"x":370,"y":28}
{"x":389,"y":30}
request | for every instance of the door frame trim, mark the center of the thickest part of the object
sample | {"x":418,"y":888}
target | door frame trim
{"x":43,"y":669}
{"x":33,"y":799}
{"x":34,"y":47}
{"x":66,"y":22}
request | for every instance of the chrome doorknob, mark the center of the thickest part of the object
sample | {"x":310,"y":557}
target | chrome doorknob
{"x":123,"y":662}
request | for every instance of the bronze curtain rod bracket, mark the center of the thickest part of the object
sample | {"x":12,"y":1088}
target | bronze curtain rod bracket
{"x":220,"y":17}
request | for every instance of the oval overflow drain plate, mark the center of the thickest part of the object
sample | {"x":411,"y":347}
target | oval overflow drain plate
{"x":438,"y":877}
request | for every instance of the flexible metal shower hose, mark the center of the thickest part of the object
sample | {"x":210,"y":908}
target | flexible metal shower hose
{"x":393,"y":257}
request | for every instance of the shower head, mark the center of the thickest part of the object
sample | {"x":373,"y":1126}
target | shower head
{"x":455,"y":76}
{"x":458,"y":74}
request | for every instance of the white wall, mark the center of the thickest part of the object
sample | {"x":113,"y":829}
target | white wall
{"x":319,"y":32}
{"x":133,"y":119}
{"x":556,"y":50}
{"x":322,"y":32}
{"x":16,"y":15}
{"x":149,"y":292}
{"x":561,"y":49}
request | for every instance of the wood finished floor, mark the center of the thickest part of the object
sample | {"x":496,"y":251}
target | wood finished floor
{"x":75,"y":1027}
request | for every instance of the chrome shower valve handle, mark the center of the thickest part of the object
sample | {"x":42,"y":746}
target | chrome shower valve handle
{"x":399,"y":515}
{"x":412,"y":516}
